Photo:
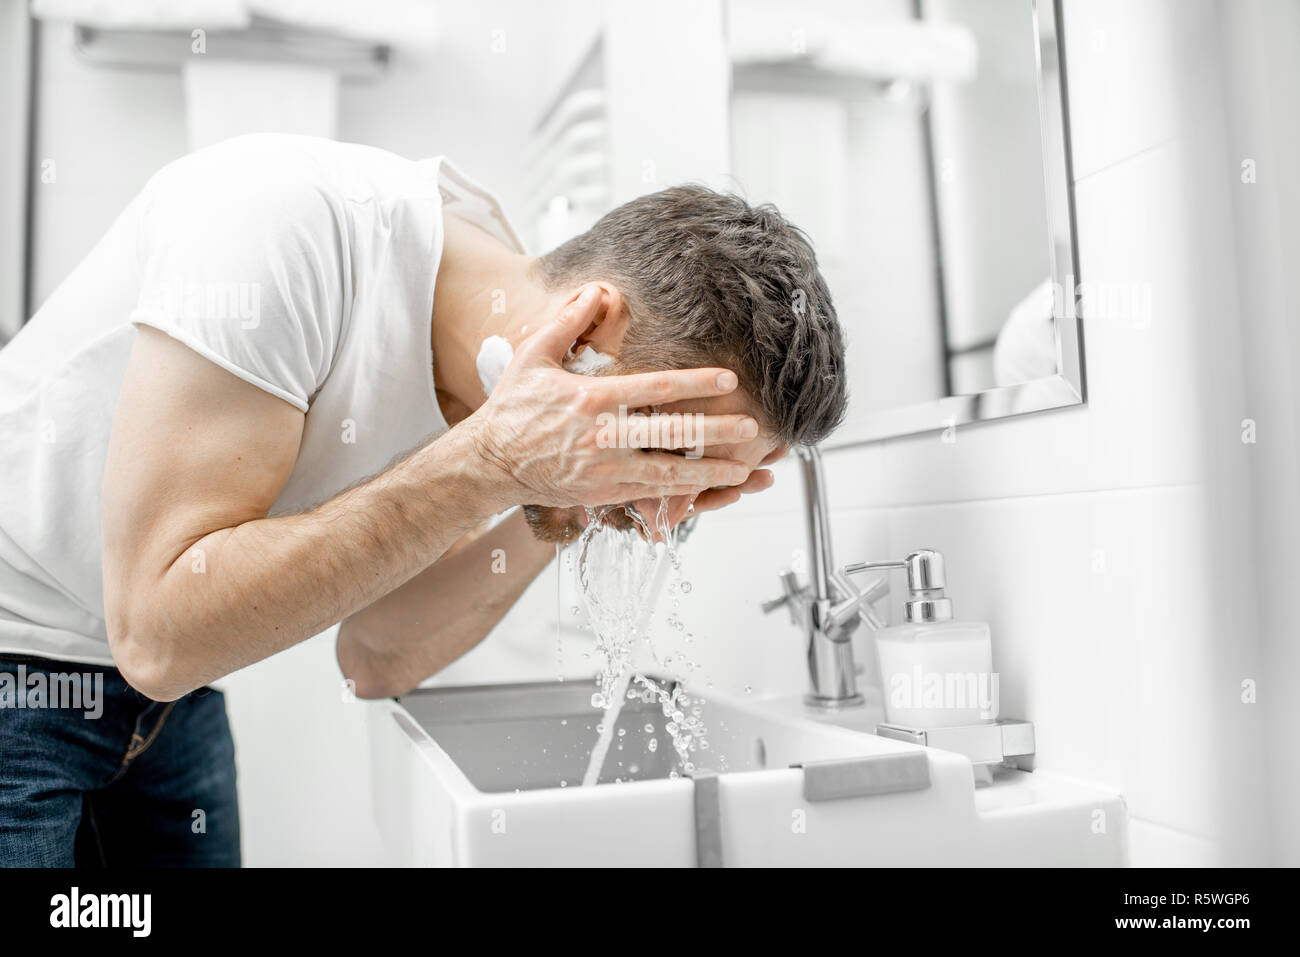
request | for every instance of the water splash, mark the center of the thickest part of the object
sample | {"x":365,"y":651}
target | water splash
{"x":621,"y":574}
{"x":685,"y":723}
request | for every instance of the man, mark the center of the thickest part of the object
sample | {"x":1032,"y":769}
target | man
{"x":255,"y":410}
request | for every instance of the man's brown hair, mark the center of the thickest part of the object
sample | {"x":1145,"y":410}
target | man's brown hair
{"x":711,"y":280}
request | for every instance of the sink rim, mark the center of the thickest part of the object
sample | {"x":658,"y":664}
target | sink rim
{"x":761,"y":709}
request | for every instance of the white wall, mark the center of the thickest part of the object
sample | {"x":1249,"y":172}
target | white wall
{"x":15,"y":30}
{"x":1263,"y":86}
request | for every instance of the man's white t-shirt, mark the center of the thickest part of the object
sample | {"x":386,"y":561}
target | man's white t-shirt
{"x":303,"y":266}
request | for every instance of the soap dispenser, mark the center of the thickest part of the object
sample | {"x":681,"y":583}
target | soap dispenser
{"x":935,"y":671}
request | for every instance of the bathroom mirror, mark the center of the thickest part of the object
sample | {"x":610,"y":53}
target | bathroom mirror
{"x":923,"y":145}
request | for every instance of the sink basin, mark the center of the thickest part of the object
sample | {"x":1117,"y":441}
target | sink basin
{"x":489,"y":775}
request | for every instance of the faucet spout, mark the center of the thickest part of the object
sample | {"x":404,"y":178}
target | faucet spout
{"x":831,"y":669}
{"x":820,"y":558}
{"x":829,"y":608}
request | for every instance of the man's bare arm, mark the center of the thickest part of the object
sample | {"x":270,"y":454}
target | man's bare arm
{"x":199,"y":582}
{"x":418,"y":629}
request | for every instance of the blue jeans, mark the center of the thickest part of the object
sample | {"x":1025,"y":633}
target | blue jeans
{"x":141,"y":783}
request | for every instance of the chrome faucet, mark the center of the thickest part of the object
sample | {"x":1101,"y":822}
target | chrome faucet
{"x":829,"y":607}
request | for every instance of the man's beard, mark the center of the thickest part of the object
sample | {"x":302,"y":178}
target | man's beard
{"x":562,"y":525}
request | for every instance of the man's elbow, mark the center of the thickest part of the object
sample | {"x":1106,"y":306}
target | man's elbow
{"x":368,"y":674}
{"x":143,"y":660}
{"x":369,"y":683}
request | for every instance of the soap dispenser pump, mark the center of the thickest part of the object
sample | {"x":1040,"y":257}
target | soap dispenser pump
{"x":936,"y":671}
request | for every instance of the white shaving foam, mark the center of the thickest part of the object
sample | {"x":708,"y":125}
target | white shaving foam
{"x":496,"y":352}
{"x":586,"y":362}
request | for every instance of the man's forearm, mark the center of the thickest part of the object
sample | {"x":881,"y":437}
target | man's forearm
{"x":422,"y":626}
{"x":238,"y":595}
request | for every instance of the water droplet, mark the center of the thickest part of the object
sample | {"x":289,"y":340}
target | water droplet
{"x":598,"y":700}
{"x":563,"y":721}
{"x":686,"y":587}
{"x":749,"y":689}
{"x":564,"y":784}
{"x":622,"y":731}
{"x":649,"y":729}
{"x":653,"y":745}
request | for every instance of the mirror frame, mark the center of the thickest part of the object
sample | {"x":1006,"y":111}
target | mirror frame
{"x":1066,"y":387}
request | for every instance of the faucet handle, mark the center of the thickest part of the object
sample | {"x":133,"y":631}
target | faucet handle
{"x":790,"y":586}
{"x":859,"y":603}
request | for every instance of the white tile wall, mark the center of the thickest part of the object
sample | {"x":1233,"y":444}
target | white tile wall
{"x":1263,"y":83}
{"x":1101,"y":631}
{"x":1123,"y":61}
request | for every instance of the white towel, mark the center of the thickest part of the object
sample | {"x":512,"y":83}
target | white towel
{"x":403,"y":23}
{"x":1026,"y":344}
{"x":146,"y":14}
{"x":411,"y":24}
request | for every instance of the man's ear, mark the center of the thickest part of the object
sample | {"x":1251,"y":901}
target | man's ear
{"x":609,"y":324}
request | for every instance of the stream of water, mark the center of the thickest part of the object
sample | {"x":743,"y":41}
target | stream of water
{"x":621,"y":575}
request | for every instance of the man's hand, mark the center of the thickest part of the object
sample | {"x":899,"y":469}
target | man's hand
{"x":542,"y":430}
{"x":682,"y":507}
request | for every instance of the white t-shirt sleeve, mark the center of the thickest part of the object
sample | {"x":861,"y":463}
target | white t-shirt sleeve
{"x":242,"y":259}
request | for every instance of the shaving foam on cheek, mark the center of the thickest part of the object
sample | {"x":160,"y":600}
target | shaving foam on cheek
{"x":586,"y":362}
{"x":493,"y":357}
{"x":496,"y":352}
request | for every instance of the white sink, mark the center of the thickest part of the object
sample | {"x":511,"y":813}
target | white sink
{"x":471,"y":776}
